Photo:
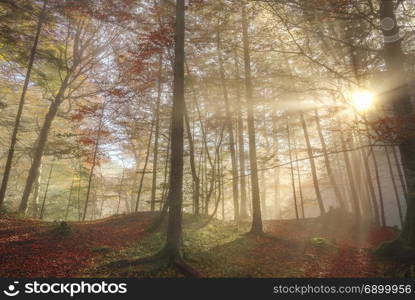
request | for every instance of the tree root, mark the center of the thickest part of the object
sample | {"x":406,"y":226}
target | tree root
{"x":119,"y":264}
{"x":163,"y":257}
{"x":186,"y":269}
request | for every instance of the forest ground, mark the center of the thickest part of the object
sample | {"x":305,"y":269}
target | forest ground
{"x":315,"y":247}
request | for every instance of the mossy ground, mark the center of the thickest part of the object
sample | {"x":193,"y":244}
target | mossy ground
{"x":220,"y":250}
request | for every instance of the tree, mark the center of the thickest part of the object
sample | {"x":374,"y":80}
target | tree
{"x":256,"y":203}
{"x":13,"y":141}
{"x":400,"y":99}
{"x":175,"y":194}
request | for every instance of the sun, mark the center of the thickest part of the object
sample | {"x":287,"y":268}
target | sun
{"x":363,"y":100}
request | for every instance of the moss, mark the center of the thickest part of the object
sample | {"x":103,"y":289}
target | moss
{"x":321,"y":242}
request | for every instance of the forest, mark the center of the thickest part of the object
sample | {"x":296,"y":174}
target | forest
{"x":207,"y":138}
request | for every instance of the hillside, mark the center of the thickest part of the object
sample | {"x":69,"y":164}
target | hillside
{"x":290,"y":248}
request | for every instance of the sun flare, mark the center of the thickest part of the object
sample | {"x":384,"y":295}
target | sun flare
{"x":363,"y":100}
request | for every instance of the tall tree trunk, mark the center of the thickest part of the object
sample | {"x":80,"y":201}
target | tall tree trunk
{"x":276,"y":170}
{"x":400,"y":174}
{"x":229,"y":122}
{"x":346,"y":158}
{"x":241,"y":145}
{"x":327,"y":162}
{"x":292,"y":170}
{"x":13,"y":140}
{"x":256,"y":201}
{"x":175,"y":196}
{"x":300,"y":188}
{"x":369,"y":182}
{"x":379,"y":185}
{"x":196,"y":180}
{"x":156,"y":135}
{"x":395,"y":187}
{"x":313,"y":165}
{"x":41,"y":143}
{"x":94,"y":163}
{"x":140,"y":188}
{"x":166,"y":171}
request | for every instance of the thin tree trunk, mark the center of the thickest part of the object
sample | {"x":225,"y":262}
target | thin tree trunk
{"x":166,"y":168}
{"x":69,"y":198}
{"x":354,"y":202}
{"x":241,"y":144}
{"x":120,"y":190}
{"x":42,"y":210}
{"x":156,"y":135}
{"x":94,"y":162}
{"x":292,"y":170}
{"x":229,"y":122}
{"x":13,"y":140}
{"x":313,"y":166}
{"x":300,"y":189}
{"x":276,"y":170}
{"x":395,"y":187}
{"x":329,"y":170}
{"x":140,"y":188}
{"x":378,"y":183}
{"x":256,"y":201}
{"x":400,"y":174}
{"x":196,"y":180}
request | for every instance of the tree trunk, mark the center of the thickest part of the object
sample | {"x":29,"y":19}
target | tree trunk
{"x":395,"y":187}
{"x":175,"y":196}
{"x":327,"y":162}
{"x":42,"y":210}
{"x":292,"y":170}
{"x":120,"y":190}
{"x":156,"y":135}
{"x":378,"y":183}
{"x":140,"y":188}
{"x":94,"y":162}
{"x":13,"y":141}
{"x":354,"y":202}
{"x":69,"y":198}
{"x":229,"y":122}
{"x":402,"y":107}
{"x":41,"y":143}
{"x":313,"y":165}
{"x":300,"y":189}
{"x":241,"y":145}
{"x":256,"y":202}
{"x":196,"y":180}
{"x":36,"y":193}
{"x":400,"y":174}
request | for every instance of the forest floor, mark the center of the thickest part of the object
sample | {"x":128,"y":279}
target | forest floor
{"x":318,"y":247}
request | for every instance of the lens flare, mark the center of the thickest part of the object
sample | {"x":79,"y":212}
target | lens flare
{"x":363,"y":100}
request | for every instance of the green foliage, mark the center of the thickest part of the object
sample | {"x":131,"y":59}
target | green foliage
{"x":321,"y":242}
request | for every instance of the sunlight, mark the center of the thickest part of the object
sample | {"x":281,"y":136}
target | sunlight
{"x":363,"y":100}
